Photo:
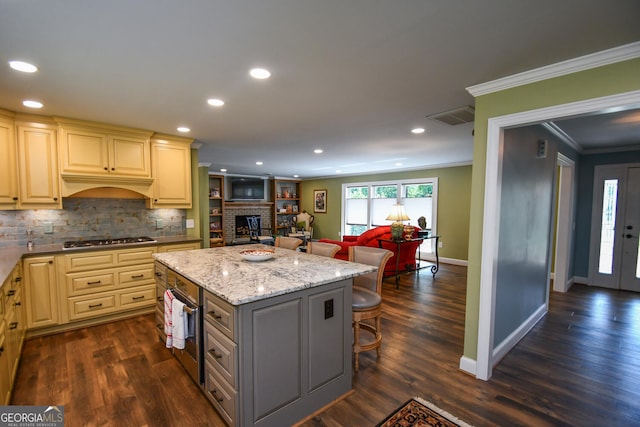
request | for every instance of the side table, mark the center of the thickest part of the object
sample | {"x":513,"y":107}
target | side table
{"x":420,"y":238}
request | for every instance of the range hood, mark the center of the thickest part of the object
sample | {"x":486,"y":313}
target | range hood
{"x":106,"y":187}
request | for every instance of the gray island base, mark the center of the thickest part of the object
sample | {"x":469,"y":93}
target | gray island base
{"x":276,"y":334}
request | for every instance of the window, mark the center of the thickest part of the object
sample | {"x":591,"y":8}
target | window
{"x":367,"y":205}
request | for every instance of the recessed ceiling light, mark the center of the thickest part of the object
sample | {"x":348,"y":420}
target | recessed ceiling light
{"x":398,"y":164}
{"x":32,"y":104}
{"x":318,"y":151}
{"x":215,"y":102}
{"x":184,"y":129}
{"x":25,"y":67}
{"x":338,"y":171}
{"x":417,"y":130}
{"x":296,"y":176}
{"x":260,"y":73}
{"x":223,"y":170}
{"x":259,"y":163}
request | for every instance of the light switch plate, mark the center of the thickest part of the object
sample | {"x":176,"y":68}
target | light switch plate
{"x":48,"y":227}
{"x":191,"y":223}
{"x":159,"y":223}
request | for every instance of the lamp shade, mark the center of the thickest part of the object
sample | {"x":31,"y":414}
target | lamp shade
{"x":397,"y":213}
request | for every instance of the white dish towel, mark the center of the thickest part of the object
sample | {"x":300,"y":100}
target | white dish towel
{"x":179,"y":323}
{"x":168,"y":326}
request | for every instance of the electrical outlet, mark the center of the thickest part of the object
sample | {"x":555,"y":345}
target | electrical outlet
{"x":328,"y":309}
{"x":191,"y":223}
{"x":439,"y":244}
{"x":48,"y":227}
{"x":159,"y":223}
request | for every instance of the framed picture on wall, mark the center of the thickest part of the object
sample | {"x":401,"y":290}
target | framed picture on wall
{"x":320,"y":201}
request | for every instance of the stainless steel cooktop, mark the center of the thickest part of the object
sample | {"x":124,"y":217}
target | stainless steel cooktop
{"x":84,"y":244}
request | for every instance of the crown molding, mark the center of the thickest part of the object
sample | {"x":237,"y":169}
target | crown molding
{"x":594,"y":60}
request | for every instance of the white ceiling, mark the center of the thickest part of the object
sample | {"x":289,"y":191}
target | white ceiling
{"x":352,"y":77}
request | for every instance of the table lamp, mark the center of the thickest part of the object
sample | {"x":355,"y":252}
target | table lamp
{"x":397,"y":215}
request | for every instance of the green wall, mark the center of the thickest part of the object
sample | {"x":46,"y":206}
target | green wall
{"x":598,"y":82}
{"x":454,"y":194}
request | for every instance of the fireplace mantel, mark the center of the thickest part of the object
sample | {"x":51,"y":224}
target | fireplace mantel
{"x":248,"y":204}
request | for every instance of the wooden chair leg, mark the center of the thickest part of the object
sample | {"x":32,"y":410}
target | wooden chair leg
{"x":356,"y":345}
{"x":378,"y":335}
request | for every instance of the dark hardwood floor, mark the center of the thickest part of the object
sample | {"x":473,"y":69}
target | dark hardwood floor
{"x":580,"y":366}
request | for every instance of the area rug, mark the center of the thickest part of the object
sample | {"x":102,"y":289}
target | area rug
{"x":418,"y":412}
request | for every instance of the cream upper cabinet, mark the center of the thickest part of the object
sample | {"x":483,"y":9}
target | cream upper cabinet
{"x":38,"y":178}
{"x":171,"y":172}
{"x":104,"y":152}
{"x":8,"y":172}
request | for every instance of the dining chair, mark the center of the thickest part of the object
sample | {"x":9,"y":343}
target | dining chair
{"x":366,"y":302}
{"x":288,"y":242}
{"x":323,"y":249}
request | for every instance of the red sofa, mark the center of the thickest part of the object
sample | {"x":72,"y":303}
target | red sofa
{"x":370,"y":238}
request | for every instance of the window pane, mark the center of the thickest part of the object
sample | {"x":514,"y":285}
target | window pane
{"x":385,"y":192}
{"x":357,"y":192}
{"x":418,"y":190}
{"x":356,"y":211}
{"x":380,"y":209}
{"x":609,"y":204}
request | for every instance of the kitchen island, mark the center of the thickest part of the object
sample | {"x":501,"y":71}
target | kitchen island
{"x":276,"y":334}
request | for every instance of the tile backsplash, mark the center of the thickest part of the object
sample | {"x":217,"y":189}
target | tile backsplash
{"x":90,"y":219}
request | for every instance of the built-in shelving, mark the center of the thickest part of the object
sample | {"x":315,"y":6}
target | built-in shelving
{"x":216,"y":210}
{"x":286,"y":204}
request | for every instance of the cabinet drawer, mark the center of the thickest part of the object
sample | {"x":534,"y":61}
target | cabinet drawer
{"x":83,"y":283}
{"x":160,"y":273}
{"x":135,"y":256}
{"x":222,"y":396}
{"x":89,"y":261}
{"x":221,"y":352}
{"x":220,"y":313}
{"x":83,"y":307}
{"x":138,"y":297}
{"x":135,"y":277}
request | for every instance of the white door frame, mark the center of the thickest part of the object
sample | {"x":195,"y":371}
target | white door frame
{"x":564,"y":224}
{"x":486,"y":357}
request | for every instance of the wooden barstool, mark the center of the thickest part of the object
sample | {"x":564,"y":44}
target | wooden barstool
{"x":366,"y":303}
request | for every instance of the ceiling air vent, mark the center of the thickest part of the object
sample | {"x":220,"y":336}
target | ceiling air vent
{"x":455,"y":117}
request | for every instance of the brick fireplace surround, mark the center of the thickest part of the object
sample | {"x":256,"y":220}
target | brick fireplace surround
{"x":232,"y":209}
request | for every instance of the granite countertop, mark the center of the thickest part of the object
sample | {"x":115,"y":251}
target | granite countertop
{"x":10,"y":256}
{"x":224,"y":272}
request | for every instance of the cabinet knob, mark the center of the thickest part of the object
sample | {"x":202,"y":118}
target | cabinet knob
{"x":113,"y":169}
{"x":55,"y":199}
{"x":50,"y":262}
{"x":15,"y":199}
{"x":106,"y":168}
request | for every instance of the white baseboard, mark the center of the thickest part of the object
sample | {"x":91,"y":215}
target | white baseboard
{"x":581,"y":280}
{"x":510,"y":342}
{"x":453,"y":261}
{"x":468,"y":365}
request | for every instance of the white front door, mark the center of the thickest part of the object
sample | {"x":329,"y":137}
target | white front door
{"x":630,"y":269}
{"x":615,"y":224}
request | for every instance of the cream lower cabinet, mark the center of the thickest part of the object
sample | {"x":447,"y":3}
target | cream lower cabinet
{"x":41,"y":292}
{"x":12,"y":332}
{"x":100,"y":283}
{"x":171,"y":172}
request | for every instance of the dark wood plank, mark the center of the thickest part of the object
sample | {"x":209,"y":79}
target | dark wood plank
{"x":578,"y":366}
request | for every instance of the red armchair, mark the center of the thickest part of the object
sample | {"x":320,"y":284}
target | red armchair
{"x":370,"y":238}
